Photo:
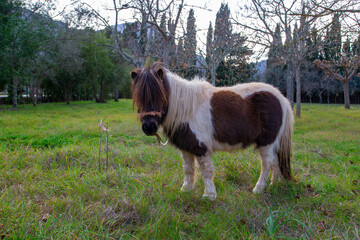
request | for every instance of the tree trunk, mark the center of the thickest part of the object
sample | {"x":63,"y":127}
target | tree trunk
{"x":68,"y":97}
{"x":34,"y":96}
{"x":346,"y":94}
{"x":320,"y":97}
{"x":15,"y":96}
{"x":116,"y":94}
{"x":33,"y":88}
{"x":298,"y":90}
{"x":290,"y":85}
{"x":94,"y":92}
{"x":102,"y":94}
{"x":328,"y":97}
{"x":212,"y":72}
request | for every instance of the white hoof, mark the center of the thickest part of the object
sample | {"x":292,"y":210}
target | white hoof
{"x":257,"y":190}
{"x":210,"y":196}
{"x":186,"y":187}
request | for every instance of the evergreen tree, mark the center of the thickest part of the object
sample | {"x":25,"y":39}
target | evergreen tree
{"x":356,"y":47}
{"x":314,"y":41}
{"x":234,"y":69}
{"x":332,"y":48}
{"x":23,"y":32}
{"x":180,"y":59}
{"x":274,"y":64}
{"x":314,"y":80}
{"x":346,"y":49}
{"x":190,"y":45}
{"x":275,"y":51}
{"x":223,"y":42}
{"x":209,"y":44}
{"x":223,"y":28}
{"x":98,"y":66}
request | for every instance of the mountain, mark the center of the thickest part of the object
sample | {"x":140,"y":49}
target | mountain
{"x":260,"y":68}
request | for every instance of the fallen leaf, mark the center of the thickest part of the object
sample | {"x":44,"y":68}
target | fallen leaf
{"x":315,"y":194}
{"x":320,"y":227}
{"x":45,"y":217}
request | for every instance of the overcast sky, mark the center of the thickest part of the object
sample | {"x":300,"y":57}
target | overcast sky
{"x":205,"y":11}
{"x":202,"y":16}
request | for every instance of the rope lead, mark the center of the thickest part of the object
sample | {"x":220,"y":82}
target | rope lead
{"x":159,"y":139}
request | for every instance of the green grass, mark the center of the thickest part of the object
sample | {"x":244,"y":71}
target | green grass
{"x":51,"y":187}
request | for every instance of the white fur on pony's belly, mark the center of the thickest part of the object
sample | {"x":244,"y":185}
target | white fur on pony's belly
{"x":218,"y":146}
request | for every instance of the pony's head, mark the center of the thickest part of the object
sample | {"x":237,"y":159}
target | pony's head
{"x":150,"y":93}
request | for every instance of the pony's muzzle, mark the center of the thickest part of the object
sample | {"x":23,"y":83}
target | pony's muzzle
{"x":150,"y":128}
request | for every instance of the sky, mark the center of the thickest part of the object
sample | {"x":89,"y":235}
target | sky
{"x":205,"y":11}
{"x":202,"y":16}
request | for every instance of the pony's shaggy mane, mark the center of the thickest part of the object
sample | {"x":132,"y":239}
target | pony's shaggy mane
{"x":185,"y":97}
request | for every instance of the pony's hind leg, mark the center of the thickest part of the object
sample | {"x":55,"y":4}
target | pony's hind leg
{"x":207,"y":172}
{"x":276,"y":173}
{"x":268,"y":159}
{"x":189,"y":169}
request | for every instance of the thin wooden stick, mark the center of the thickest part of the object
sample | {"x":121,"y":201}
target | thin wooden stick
{"x":107,"y":148}
{"x":100,"y":150}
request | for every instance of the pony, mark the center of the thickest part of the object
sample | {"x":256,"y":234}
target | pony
{"x":200,"y":119}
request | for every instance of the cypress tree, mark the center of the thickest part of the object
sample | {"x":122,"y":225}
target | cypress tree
{"x":223,"y":29}
{"x":274,"y":55}
{"x":209,"y":43}
{"x":346,"y":48}
{"x":190,"y":45}
{"x":180,"y":58}
{"x":355,"y":48}
{"x":222,"y":36}
{"x":274,"y":64}
{"x":332,"y":48}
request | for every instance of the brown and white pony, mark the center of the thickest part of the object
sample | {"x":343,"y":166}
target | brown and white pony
{"x":200,"y":119}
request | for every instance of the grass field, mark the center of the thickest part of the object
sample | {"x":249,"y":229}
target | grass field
{"x":51,"y":186}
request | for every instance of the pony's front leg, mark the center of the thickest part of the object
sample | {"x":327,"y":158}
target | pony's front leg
{"x":207,"y":172}
{"x":189,"y":169}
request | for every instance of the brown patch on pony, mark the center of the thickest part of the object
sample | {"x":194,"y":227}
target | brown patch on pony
{"x":255,"y":119}
{"x":150,"y":89}
{"x":234,"y":120}
{"x":185,"y":139}
{"x":270,"y":112}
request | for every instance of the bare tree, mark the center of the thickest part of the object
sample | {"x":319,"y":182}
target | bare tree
{"x":148,"y":15}
{"x":266,"y":14}
{"x":350,"y":68}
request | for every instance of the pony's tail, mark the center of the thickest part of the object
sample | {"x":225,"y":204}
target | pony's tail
{"x":284,"y":151}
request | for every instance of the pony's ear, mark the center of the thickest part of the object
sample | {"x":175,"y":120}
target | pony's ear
{"x":134,"y":74}
{"x":160,"y":72}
